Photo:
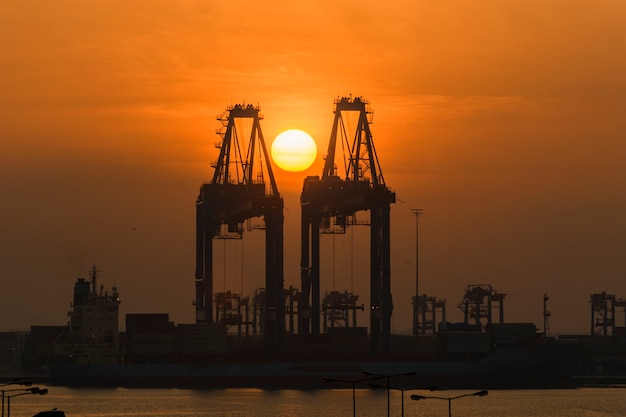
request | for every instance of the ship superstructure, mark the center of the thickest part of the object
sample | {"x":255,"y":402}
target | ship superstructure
{"x":93,"y":335}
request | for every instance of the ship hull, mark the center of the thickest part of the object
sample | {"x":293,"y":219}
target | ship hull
{"x":546,"y":367}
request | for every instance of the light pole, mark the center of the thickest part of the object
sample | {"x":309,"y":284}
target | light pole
{"x":402,"y":391}
{"x":449,"y":399}
{"x":388,"y":377}
{"x":417,"y":213}
{"x":25,"y":391}
{"x":14,"y":381}
{"x":353,"y":382}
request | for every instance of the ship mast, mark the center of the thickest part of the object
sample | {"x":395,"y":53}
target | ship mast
{"x":93,"y":275}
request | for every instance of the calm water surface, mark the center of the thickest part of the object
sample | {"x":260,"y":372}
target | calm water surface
{"x":122,"y":402}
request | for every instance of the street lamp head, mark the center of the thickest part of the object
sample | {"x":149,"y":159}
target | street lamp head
{"x":17,"y":381}
{"x":24,"y":391}
{"x":481,"y":393}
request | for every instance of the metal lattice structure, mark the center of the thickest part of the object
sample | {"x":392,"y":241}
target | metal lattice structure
{"x":425,"y":310}
{"x":243,"y":188}
{"x":478,"y":302}
{"x":337,"y":307}
{"x":233,"y":310}
{"x":604,"y":308}
{"x":333,"y":200}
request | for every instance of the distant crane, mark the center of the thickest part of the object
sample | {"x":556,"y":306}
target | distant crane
{"x":331,"y":197}
{"x":604,"y":309}
{"x":478,"y":302}
{"x":239,"y":191}
{"x":546,"y":316}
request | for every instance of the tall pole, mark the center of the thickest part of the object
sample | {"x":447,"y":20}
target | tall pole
{"x":417,"y":213}
{"x":388,"y":396}
{"x":388,"y":386}
{"x":353,"y":382}
{"x":545,"y":315}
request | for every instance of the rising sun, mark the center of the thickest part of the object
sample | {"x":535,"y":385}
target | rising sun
{"x":294,"y":150}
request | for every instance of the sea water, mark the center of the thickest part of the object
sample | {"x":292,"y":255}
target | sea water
{"x":124,"y":402}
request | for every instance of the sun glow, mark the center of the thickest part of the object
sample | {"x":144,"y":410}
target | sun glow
{"x":294,"y":150}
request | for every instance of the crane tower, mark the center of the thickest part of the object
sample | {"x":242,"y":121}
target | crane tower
{"x":243,"y":187}
{"x":332,"y":197}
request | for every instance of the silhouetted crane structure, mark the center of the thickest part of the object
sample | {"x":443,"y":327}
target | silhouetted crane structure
{"x":478,"y":302}
{"x":240,"y":191}
{"x":259,"y":309}
{"x":292,"y":303}
{"x":233,"y":310}
{"x":603,"y":313}
{"x":336,"y":308}
{"x":546,"y":316}
{"x":332,"y":197}
{"x":425,"y":314}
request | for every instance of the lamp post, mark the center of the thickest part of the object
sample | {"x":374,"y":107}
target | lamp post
{"x":388,"y":377}
{"x":417,"y":213}
{"x":353,"y":382}
{"x":402,"y":391}
{"x":13,"y":381}
{"x":449,"y":399}
{"x":25,"y":391}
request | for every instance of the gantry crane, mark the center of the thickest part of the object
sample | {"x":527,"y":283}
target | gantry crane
{"x":603,"y":313}
{"x":336,"y":308}
{"x":478,"y":302}
{"x":238,"y":192}
{"x":425,"y":313}
{"x":332,"y":197}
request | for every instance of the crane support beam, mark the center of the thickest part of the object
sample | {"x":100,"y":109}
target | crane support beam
{"x":362,"y":188}
{"x":237,"y":192}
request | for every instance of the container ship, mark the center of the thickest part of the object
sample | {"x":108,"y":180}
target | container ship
{"x":155,"y":352}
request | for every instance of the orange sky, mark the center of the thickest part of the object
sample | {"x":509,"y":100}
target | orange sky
{"x":502,"y":120}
